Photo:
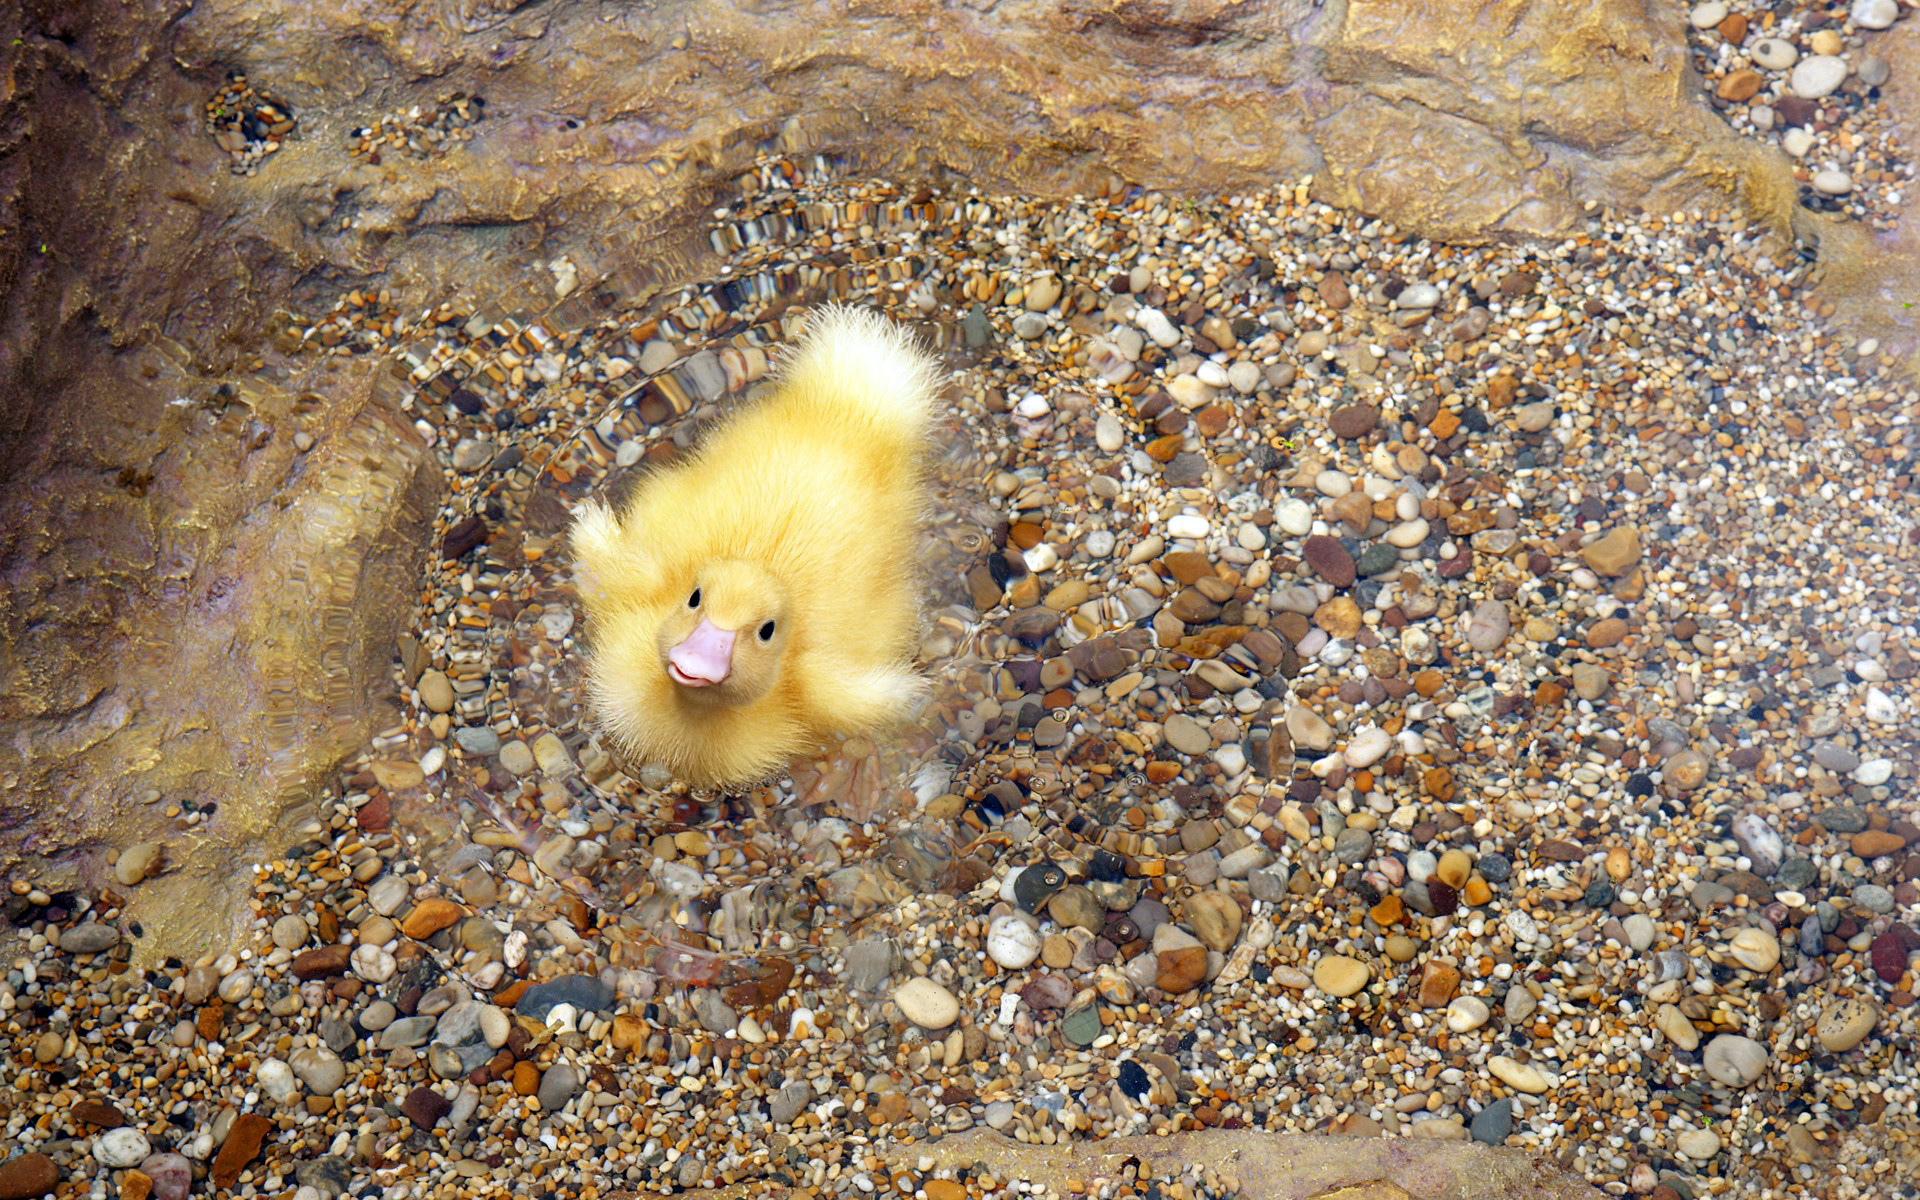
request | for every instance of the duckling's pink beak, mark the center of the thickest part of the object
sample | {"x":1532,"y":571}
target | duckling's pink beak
{"x":704,"y":658}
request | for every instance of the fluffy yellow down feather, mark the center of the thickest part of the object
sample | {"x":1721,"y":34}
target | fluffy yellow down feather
{"x":762,"y":594}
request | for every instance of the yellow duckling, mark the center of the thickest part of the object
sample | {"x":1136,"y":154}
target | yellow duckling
{"x":749,"y":601}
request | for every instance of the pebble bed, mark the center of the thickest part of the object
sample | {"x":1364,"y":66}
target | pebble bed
{"x":1807,"y":78}
{"x":1384,"y":688}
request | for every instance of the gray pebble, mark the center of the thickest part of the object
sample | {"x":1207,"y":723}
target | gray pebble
{"x":1353,"y":845}
{"x":558,"y":1084}
{"x":90,"y":938}
{"x":1493,"y":1123}
{"x":1734,"y":1061}
{"x":586,"y":993}
{"x":1796,"y":873}
{"x":407,"y":1031}
{"x":1844,"y":818}
{"x":377,"y":1016}
{"x":477,"y":739}
{"x":869,"y":962}
{"x":1269,"y":885}
{"x":714,"y":1013}
{"x":789,"y":1102}
{"x":330,"y":1176}
{"x":1873,"y":898}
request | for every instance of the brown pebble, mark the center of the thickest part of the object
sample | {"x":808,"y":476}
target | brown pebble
{"x":526,"y":1078}
{"x":241,"y":1147}
{"x":99,"y":1112}
{"x":27,"y":1175}
{"x":1875,"y":843}
{"x":430,"y":916}
{"x":1352,"y":421}
{"x":1329,"y":560}
{"x":1609,"y":631}
{"x":1438,"y":983}
{"x":1740,"y":86}
{"x":322,"y":962}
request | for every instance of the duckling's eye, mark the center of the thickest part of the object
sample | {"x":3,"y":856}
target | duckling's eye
{"x":693,"y":601}
{"x":766,"y":632}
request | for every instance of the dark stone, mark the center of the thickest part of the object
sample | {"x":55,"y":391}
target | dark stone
{"x":585,"y":992}
{"x":1353,"y":420}
{"x":464,"y":536}
{"x":322,"y":962}
{"x":1133,"y":1080}
{"x":1329,"y":560}
{"x":1037,"y":884}
{"x":1493,"y":1123}
{"x":27,"y":1175}
{"x":424,"y":1107}
{"x":1494,"y":868}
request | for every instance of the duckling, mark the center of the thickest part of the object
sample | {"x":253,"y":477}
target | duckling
{"x":760,"y":595}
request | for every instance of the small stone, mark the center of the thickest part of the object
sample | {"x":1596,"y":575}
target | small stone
{"x":1493,"y":1123}
{"x":27,"y":1175}
{"x":1673,"y":1024}
{"x":1216,"y":918}
{"x":1755,"y":949}
{"x":424,"y":1107}
{"x":559,"y":1083}
{"x":1438,"y":983}
{"x":517,"y":757}
{"x":275,"y":1078}
{"x":1186,"y":735}
{"x":171,"y":1173}
{"x":1012,"y":943}
{"x":1760,"y":842}
{"x":1467,"y":1013}
{"x":1685,"y":771}
{"x":241,"y":1147}
{"x":1846,"y":1023}
{"x":436,"y":691}
{"x":1817,"y":75}
{"x":926,"y":1003}
{"x":1488,"y":627}
{"x":1698,"y":1144}
{"x":1353,"y":420}
{"x":1774,"y":54}
{"x":1180,"y":959}
{"x":120,"y":1148}
{"x":1874,"y":14}
{"x":1339,"y":975}
{"x":291,"y":932}
{"x":1734,"y":1061}
{"x":319,"y":1068}
{"x":90,"y":938}
{"x":1329,"y":560}
{"x":1521,"y":1077}
{"x":1832,"y":182}
{"x":136,"y":862}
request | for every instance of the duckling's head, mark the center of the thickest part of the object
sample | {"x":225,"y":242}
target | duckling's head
{"x":723,"y":644}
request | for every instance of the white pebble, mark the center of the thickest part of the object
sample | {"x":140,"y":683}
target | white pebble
{"x":1032,"y":407}
{"x":1042,"y":557}
{"x":1419,"y":295}
{"x":1832,"y":182}
{"x":1294,"y":516}
{"x":1874,"y":14}
{"x":1881,"y":709}
{"x":1467,"y":1013}
{"x":1368,"y":746}
{"x":1187,"y":525}
{"x":1408,"y":534}
{"x":1818,"y":75}
{"x":1873,"y":772}
{"x":433,"y":760}
{"x":1249,"y":537}
{"x":1333,"y":483}
{"x":1698,"y":1144}
{"x":1734,"y":1061}
{"x":1099,"y":543}
{"x":1107,"y":433}
{"x":1797,"y":142}
{"x":122,"y":1147}
{"x":1012,"y":942}
{"x":275,"y":1079}
{"x":1244,"y":376}
{"x":1775,"y":54}
{"x":1155,"y":325}
{"x":1708,"y":14}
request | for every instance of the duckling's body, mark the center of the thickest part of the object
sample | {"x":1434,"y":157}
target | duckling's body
{"x":762,"y":594}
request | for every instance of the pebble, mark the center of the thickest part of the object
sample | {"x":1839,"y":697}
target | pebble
{"x":1521,"y":1077}
{"x":1467,"y":1013}
{"x":91,"y":938}
{"x":137,"y":862}
{"x":275,"y":1078}
{"x":1673,"y":1023}
{"x":926,"y":1003}
{"x":1760,"y":842}
{"x":1488,"y":627}
{"x":1732,"y":1060}
{"x":1774,"y":54}
{"x":1832,"y":182}
{"x":28,"y":1175}
{"x":1339,"y":975}
{"x":1492,"y":1124}
{"x":1817,"y":75}
{"x":1755,"y":949}
{"x":1698,"y":1144}
{"x":120,"y":1148}
{"x":1012,"y":943}
{"x":319,"y":1068}
{"x":559,"y":1083}
{"x":1874,"y":14}
{"x":1845,"y":1023}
